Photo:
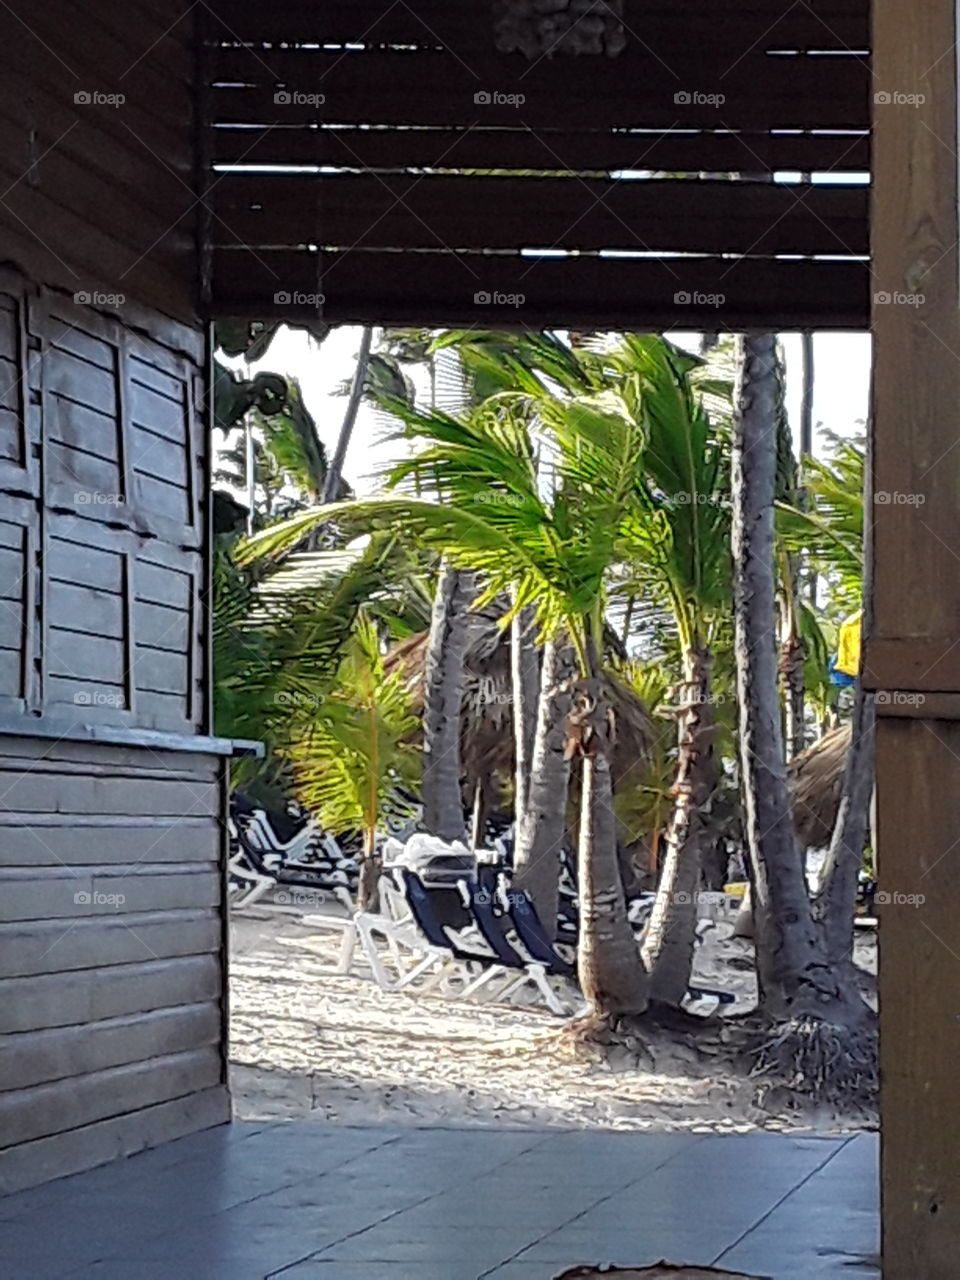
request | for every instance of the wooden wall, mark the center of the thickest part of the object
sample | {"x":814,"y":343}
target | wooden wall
{"x":111,"y":965}
{"x":913,"y":655}
{"x":112,"y":794}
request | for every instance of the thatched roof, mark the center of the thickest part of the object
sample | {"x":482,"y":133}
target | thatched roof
{"x":487,"y":717}
{"x":816,"y":782}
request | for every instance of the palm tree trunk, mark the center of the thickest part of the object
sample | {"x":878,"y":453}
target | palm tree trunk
{"x":610,"y":968}
{"x":671,"y":934}
{"x":368,"y":886}
{"x":443,"y":697}
{"x":331,"y":482}
{"x":541,"y":826}
{"x":837,"y":904}
{"x":525,"y":673}
{"x":792,"y":656}
{"x":787,"y":940}
{"x":792,"y":967}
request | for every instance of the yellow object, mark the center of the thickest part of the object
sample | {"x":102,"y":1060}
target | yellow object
{"x":736,"y":889}
{"x":848,"y":651}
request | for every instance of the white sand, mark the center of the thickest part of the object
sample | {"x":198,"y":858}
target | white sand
{"x":305,"y":1042}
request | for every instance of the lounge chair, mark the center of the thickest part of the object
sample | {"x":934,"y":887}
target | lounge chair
{"x":263,"y":870}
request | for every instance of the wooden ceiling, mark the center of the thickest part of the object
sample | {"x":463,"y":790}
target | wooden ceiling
{"x":370,"y":160}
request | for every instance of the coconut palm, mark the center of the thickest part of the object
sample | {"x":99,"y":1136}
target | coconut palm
{"x":553,"y":554}
{"x":824,"y":1016}
{"x":349,"y":758}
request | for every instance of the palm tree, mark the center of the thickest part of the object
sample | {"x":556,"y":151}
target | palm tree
{"x":798,"y":986}
{"x":553,"y":554}
{"x":350,"y":757}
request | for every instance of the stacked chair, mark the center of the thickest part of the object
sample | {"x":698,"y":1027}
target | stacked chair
{"x":262,"y":861}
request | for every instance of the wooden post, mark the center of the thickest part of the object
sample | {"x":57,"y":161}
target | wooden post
{"x":912,"y":657}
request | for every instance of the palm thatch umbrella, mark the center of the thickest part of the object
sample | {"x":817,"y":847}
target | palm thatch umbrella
{"x":487,"y":746}
{"x":816,"y":784}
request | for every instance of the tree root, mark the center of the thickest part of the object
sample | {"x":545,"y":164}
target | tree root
{"x":817,"y":1061}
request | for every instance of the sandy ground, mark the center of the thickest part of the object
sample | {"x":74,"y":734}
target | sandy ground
{"x":306,"y":1042}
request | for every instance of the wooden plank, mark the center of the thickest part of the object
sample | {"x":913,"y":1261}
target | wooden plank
{"x":912,"y":664}
{"x":677,"y":151}
{"x":914,"y":541}
{"x":11,"y":625}
{"x":167,"y":628}
{"x":162,"y":416}
{"x":91,"y":481}
{"x":159,"y":584}
{"x":84,"y":657}
{"x":628,"y":293}
{"x":11,"y":573}
{"x":164,"y":710}
{"x":27,"y":1114}
{"x":83,"y":1148}
{"x":128,"y":744}
{"x":39,"y":1057}
{"x":11,"y":673}
{"x":152,"y":455}
{"x":166,"y":500}
{"x":77,"y":794}
{"x":98,"y":612}
{"x":90,"y":995}
{"x":469,"y":28}
{"x":374,"y":211}
{"x":50,"y":947}
{"x":159,"y":671}
{"x":781,"y":95}
{"x":93,"y":842}
{"x":92,"y":429}
{"x":73,"y":562}
{"x":65,"y":893}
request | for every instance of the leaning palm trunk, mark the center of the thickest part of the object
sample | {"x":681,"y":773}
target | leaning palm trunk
{"x":837,"y":903}
{"x":610,"y":968}
{"x":331,"y":483}
{"x":671,"y":934}
{"x":541,"y":826}
{"x":443,"y":698}
{"x":525,"y":673}
{"x":820,"y":1048}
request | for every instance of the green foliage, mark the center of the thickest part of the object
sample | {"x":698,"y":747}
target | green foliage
{"x":276,"y":654}
{"x":348,"y":759}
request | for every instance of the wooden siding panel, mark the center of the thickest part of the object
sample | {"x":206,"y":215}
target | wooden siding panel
{"x":38,"y":1057}
{"x":68,"y":893}
{"x":26,"y":1114}
{"x":84,"y":842}
{"x":52,"y":947}
{"x":77,"y":1149}
{"x":92,"y":995}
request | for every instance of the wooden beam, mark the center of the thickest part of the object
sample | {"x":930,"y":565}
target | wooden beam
{"x":916,"y":613}
{"x":510,"y":291}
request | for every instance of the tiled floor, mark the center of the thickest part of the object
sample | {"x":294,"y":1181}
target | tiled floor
{"x":307,"y":1201}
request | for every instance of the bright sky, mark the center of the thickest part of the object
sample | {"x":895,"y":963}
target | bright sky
{"x":841,"y":360}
